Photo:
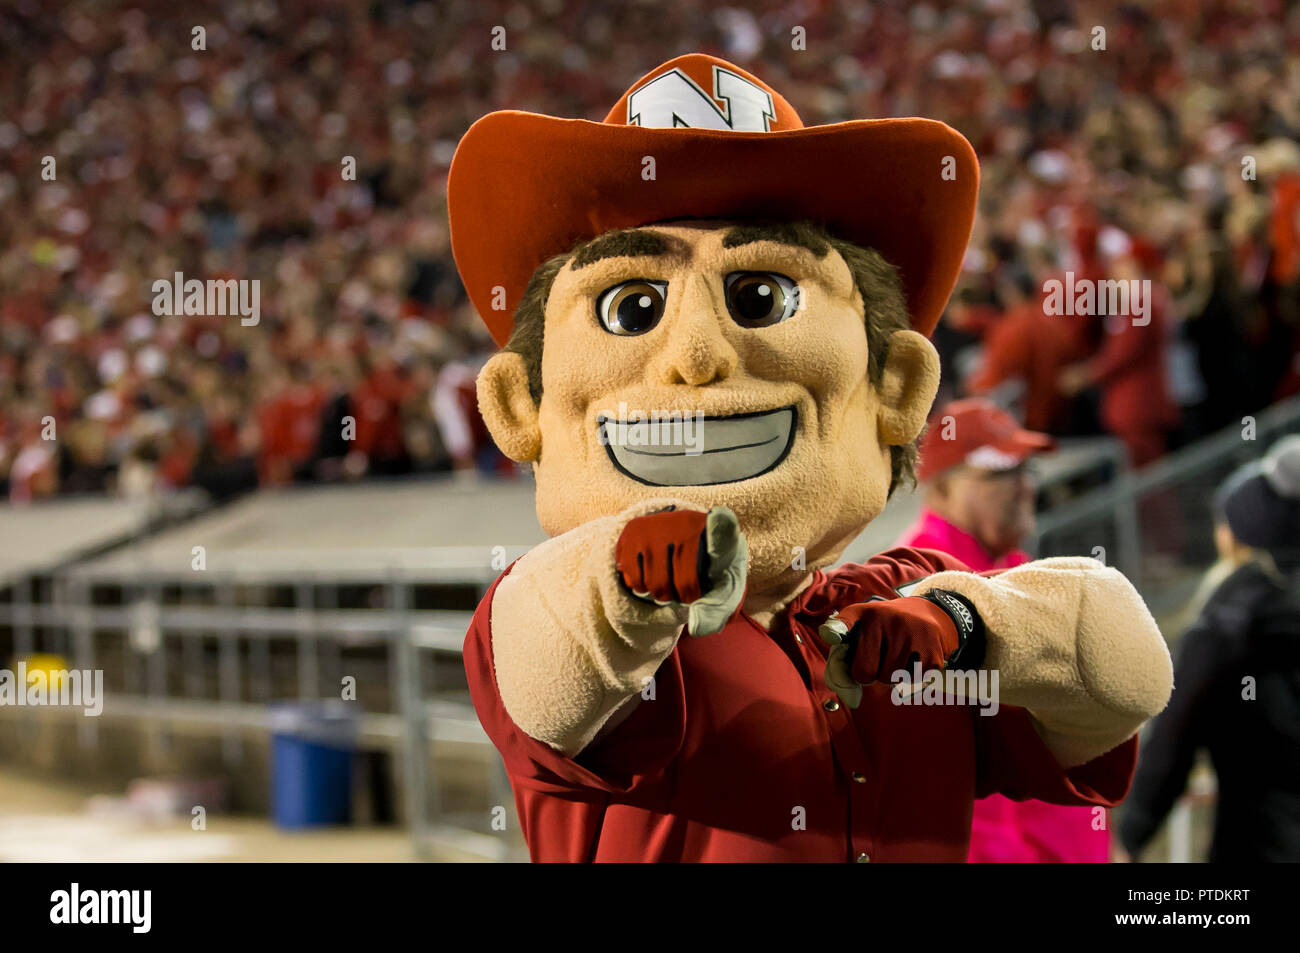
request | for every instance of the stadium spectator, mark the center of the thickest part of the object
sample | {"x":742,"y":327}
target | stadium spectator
{"x":33,"y":472}
{"x":1235,"y":679}
{"x":1130,"y":370}
{"x":377,"y":402}
{"x":1030,"y":347}
{"x":289,"y":421}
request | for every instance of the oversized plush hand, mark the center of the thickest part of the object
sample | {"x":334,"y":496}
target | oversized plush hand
{"x":686,"y":558}
{"x":869,"y":641}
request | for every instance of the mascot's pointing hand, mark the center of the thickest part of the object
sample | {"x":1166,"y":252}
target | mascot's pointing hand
{"x":689,"y":558}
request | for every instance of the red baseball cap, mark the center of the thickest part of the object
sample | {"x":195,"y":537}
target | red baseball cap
{"x":523,"y":187}
{"x":979,"y":434}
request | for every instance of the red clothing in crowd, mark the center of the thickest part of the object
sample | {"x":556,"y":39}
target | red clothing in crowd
{"x":1284,"y":229}
{"x":223,"y":435}
{"x":1130,"y":370}
{"x":290,"y":427}
{"x":744,"y":754}
{"x":1002,"y":830}
{"x":1028,"y":345}
{"x":176,"y":465}
{"x":377,"y":405}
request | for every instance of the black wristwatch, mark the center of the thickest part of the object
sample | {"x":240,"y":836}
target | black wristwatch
{"x":970,"y":629}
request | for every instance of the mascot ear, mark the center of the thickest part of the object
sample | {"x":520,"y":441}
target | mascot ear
{"x":508,"y":408}
{"x":907,"y":387}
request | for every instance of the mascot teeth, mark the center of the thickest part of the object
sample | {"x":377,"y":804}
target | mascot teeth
{"x":699,"y":451}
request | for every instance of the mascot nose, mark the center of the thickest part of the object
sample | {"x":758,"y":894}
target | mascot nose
{"x":697,"y":352}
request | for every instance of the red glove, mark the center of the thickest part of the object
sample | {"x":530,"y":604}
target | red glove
{"x":872,"y":640}
{"x":891,"y":635}
{"x":663,"y":556}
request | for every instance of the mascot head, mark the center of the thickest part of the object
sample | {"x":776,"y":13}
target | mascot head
{"x":700,"y":299}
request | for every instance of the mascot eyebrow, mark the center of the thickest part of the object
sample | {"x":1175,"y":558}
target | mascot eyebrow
{"x":642,"y":243}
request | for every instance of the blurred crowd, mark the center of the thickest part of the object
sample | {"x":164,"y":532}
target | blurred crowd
{"x":1168,"y":155}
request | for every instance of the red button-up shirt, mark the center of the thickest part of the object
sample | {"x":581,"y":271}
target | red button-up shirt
{"x":744,"y":754}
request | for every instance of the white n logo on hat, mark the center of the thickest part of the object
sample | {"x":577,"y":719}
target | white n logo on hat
{"x":990,"y":458}
{"x":674,"y":99}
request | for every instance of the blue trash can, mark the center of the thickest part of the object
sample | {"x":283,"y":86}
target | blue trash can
{"x":312,"y":748}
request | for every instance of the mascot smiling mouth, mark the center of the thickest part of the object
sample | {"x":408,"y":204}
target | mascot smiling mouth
{"x":699,"y":450}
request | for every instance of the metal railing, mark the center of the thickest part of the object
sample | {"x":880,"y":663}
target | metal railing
{"x":1205,"y":461}
{"x":411,"y":724}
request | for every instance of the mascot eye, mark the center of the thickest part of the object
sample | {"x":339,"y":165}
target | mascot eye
{"x":633,"y":307}
{"x":758,"y":299}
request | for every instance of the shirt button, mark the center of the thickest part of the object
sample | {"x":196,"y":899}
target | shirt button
{"x":864,"y":858}
{"x":831,"y":705}
{"x":859,"y":777}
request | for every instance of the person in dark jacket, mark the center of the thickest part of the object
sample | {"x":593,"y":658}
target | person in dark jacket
{"x":1237,"y":679}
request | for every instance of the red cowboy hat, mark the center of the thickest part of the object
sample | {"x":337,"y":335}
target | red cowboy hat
{"x":523,"y":187}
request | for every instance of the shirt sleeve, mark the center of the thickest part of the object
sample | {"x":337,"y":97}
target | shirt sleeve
{"x":1125,"y":347}
{"x":647,"y":740}
{"x":1012,"y":760}
{"x":1003,"y":358}
{"x":920,"y":562}
{"x":894,"y":568}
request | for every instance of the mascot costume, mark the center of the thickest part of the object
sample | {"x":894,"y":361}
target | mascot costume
{"x":714,"y":354}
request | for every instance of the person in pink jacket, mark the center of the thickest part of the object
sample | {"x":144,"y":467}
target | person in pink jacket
{"x":979,"y":506}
